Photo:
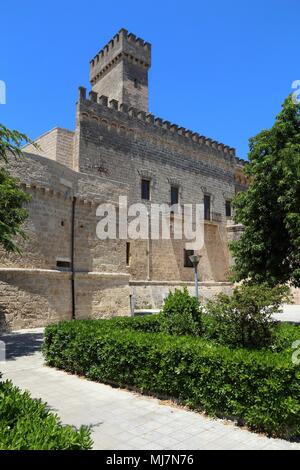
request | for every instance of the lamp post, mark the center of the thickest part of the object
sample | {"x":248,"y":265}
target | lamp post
{"x":195,"y":260}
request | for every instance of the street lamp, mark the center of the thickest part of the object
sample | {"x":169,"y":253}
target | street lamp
{"x":195,"y":261}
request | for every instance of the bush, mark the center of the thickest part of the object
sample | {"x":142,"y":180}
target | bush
{"x":259,"y":388}
{"x":245,"y":318}
{"x":181,"y":314}
{"x":27,"y":424}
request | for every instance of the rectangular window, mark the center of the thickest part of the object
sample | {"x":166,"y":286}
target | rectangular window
{"x":62,"y":264}
{"x":207,"y":208}
{"x":228,"y":208}
{"x":187,"y":261}
{"x":145,"y":187}
{"x":128,"y":254}
{"x":174,"y":195}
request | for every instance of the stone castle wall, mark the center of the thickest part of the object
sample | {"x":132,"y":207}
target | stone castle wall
{"x":65,"y":269}
{"x":120,"y":70}
{"x":34,"y":291}
{"x":57,"y":144}
{"x":151,"y":294}
{"x":127,"y":145}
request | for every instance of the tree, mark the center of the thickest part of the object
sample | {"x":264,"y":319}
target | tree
{"x":269,"y":248}
{"x":12,"y":198}
{"x":11,"y":142}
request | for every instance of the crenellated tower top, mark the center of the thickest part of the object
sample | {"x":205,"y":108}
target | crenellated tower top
{"x":120,"y":70}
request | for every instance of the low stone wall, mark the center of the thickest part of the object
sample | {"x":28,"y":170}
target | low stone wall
{"x":33,"y":298}
{"x":38,"y":297}
{"x":101,"y":295}
{"x":151,"y":294}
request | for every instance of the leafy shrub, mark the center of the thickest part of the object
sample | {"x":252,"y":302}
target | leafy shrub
{"x":147,"y":323}
{"x":181,"y":314}
{"x":27,"y":424}
{"x":259,"y":388}
{"x":245,"y":318}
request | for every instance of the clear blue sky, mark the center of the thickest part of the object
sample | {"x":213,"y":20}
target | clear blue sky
{"x":221,"y":68}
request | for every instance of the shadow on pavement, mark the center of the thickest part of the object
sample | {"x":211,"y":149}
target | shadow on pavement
{"x":19,"y":345}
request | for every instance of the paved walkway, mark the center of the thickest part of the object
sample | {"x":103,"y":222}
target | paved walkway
{"x":120,"y":419}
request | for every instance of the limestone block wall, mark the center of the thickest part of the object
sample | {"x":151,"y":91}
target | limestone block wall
{"x":33,"y":289}
{"x":120,"y":70}
{"x":47,"y":144}
{"x":111,"y":84}
{"x":48,"y":230}
{"x":65,"y":147}
{"x":102,"y":295}
{"x":91,"y":253}
{"x":135,"y":86}
{"x":33,"y":298}
{"x":57,"y":144}
{"x":151,"y":294}
{"x":127,"y":145}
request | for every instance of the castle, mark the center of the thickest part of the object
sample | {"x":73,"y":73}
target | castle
{"x":117,"y":149}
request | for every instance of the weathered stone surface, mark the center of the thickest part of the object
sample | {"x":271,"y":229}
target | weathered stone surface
{"x":115,"y":144}
{"x":151,"y":294}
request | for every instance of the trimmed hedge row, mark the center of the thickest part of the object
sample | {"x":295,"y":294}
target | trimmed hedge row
{"x":27,"y":424}
{"x":259,"y":388}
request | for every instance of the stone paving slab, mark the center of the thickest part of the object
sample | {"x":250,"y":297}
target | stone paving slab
{"x":120,"y":419}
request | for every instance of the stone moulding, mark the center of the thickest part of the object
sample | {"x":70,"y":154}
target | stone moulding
{"x":35,"y":272}
{"x":180,"y":283}
{"x":101,"y":275}
{"x":63,"y":274}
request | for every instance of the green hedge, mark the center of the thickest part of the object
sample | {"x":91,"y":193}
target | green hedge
{"x":259,"y":388}
{"x":27,"y":424}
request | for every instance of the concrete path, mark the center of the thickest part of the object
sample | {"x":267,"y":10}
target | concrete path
{"x":120,"y":419}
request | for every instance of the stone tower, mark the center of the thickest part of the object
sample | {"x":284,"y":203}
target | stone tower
{"x":120,"y":70}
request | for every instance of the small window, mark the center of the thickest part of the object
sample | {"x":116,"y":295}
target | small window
{"x":187,"y":261}
{"x":145,"y":189}
{"x":174,"y":195}
{"x":228,"y":208}
{"x":207,"y":207}
{"x":62,"y":264}
{"x":136,"y":83}
{"x":128,"y":255}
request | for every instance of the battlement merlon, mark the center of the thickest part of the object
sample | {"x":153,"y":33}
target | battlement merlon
{"x":123,"y":45}
{"x":93,"y":106}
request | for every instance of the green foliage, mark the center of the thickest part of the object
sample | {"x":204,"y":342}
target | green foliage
{"x":259,"y":388}
{"x":181,"y":314}
{"x":269,"y":248}
{"x":27,"y":424}
{"x":12,"y":198}
{"x":147,"y":323}
{"x":11,"y":142}
{"x":245,"y":318}
{"x":12,"y":212}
